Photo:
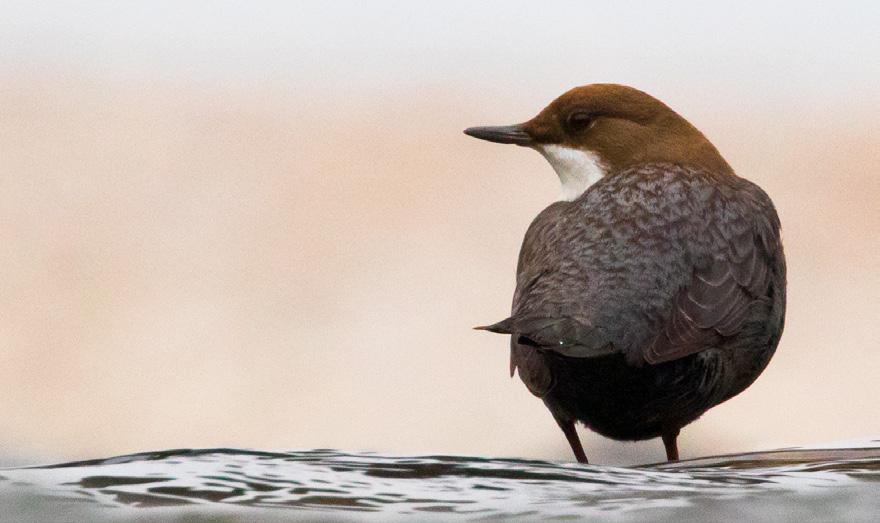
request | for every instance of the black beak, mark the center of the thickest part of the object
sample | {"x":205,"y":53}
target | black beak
{"x":501,"y":134}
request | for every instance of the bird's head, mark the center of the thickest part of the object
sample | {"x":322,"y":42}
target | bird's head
{"x":600,"y":129}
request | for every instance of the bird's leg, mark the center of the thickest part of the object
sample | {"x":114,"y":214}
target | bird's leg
{"x":669,"y":441}
{"x":571,"y":435}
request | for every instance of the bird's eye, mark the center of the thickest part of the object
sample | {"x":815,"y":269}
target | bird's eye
{"x":579,"y":120}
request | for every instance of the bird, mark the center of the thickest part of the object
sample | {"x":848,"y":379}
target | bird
{"x":654,"y":288}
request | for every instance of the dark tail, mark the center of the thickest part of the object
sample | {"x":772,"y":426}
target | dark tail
{"x":502,"y":327}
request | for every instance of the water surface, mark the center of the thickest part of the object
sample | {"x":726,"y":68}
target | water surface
{"x":816,"y":484}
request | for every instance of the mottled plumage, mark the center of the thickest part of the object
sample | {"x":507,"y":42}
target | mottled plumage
{"x":655,"y":295}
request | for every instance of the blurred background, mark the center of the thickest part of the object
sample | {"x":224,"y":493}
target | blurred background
{"x":259,"y":224}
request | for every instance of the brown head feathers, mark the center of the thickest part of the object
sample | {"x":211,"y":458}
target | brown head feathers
{"x":625,"y":127}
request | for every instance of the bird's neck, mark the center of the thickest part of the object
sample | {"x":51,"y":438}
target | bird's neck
{"x":577,"y":169}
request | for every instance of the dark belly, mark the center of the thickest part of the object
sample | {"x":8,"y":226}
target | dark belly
{"x":625,"y":402}
{"x":630,"y":402}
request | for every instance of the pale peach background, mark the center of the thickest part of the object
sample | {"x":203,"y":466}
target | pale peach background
{"x":261,"y":226}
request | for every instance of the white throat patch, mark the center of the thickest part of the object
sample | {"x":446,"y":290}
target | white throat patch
{"x":577,"y":170}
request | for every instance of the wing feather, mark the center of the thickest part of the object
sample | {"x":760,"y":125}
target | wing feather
{"x":716,"y":302}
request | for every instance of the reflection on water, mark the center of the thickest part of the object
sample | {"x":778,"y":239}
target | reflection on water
{"x":792,"y":484}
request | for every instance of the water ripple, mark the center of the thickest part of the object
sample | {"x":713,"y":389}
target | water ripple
{"x":333,"y":484}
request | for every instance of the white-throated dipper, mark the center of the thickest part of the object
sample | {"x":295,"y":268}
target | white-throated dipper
{"x":655,"y":289}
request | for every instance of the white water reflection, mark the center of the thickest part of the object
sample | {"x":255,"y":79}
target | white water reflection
{"x":333,"y":484}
